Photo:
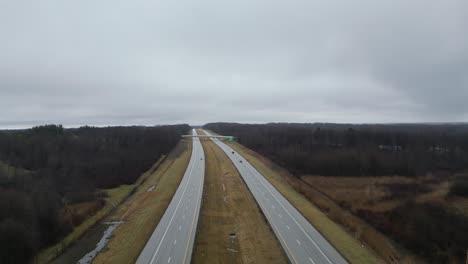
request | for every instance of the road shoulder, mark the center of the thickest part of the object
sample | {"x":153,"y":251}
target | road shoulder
{"x":143,"y":210}
{"x":349,"y":247}
{"x":231,"y":228}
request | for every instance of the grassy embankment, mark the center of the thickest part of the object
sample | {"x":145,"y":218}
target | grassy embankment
{"x":114,"y":197}
{"x":231,"y":228}
{"x":351,"y":248}
{"x":143,"y":210}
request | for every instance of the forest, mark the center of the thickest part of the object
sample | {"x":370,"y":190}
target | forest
{"x":44,"y":168}
{"x":413,"y":163}
{"x":356,"y":150}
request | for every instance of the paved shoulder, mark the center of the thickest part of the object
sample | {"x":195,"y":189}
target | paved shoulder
{"x":300,"y":240}
{"x":172,"y":240}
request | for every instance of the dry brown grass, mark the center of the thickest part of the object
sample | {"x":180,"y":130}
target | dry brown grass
{"x":379,"y":194}
{"x":343,"y":199}
{"x":115,"y":197}
{"x":231,"y":228}
{"x":143,"y":210}
{"x":352,"y":249}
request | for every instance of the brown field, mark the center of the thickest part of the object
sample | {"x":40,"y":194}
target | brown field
{"x":379,"y":194}
{"x":231,"y":228}
{"x":347,"y":244}
{"x":143,"y":210}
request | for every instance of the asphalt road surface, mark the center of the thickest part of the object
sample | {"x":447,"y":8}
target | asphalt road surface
{"x":300,"y":240}
{"x":172,"y":240}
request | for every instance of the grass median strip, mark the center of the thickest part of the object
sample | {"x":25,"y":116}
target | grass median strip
{"x":349,"y":247}
{"x":231,"y":228}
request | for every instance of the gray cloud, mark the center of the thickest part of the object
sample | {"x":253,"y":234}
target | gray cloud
{"x":149,"y":62}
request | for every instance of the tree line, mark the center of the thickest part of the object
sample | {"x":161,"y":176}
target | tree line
{"x":435,"y":232}
{"x":356,"y":150}
{"x":46,"y":167}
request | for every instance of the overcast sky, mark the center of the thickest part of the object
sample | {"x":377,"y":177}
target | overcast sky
{"x":111,"y":62}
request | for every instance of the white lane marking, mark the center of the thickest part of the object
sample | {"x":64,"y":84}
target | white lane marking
{"x":280,"y":216}
{"x":290,"y":215}
{"x":311,"y":260}
{"x":180,"y":227}
{"x":299,"y":242}
{"x":177,"y":207}
{"x":263,"y":208}
{"x":287,"y":227}
{"x":183,"y":217}
{"x":272,"y":206}
{"x":175,"y":242}
{"x":195,"y":215}
{"x":249,"y":168}
{"x":169,"y":260}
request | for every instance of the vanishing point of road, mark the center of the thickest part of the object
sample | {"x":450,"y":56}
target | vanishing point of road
{"x":172,"y":240}
{"x":300,"y":240}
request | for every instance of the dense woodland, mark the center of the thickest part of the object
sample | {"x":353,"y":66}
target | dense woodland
{"x":356,"y":150}
{"x":44,"y":168}
{"x":434,"y":231}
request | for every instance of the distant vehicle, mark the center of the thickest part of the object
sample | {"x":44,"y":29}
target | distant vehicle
{"x":201,"y":158}
{"x":233,"y":152}
{"x":240,"y":161}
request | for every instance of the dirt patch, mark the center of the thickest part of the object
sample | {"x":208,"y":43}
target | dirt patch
{"x":231,"y":227}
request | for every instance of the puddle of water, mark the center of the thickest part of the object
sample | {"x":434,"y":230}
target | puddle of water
{"x":88,"y":258}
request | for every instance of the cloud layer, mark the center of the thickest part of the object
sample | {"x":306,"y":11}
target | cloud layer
{"x":152,"y":62}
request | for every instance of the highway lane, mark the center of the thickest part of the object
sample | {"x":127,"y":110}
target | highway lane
{"x":172,"y":240}
{"x":300,"y":240}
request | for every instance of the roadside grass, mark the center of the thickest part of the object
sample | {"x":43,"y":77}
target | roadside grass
{"x":113,"y":198}
{"x":352,"y":249}
{"x":231,"y":227}
{"x":143,"y":210}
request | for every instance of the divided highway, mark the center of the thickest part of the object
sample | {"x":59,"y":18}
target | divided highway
{"x":300,"y":240}
{"x":172,"y":240}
